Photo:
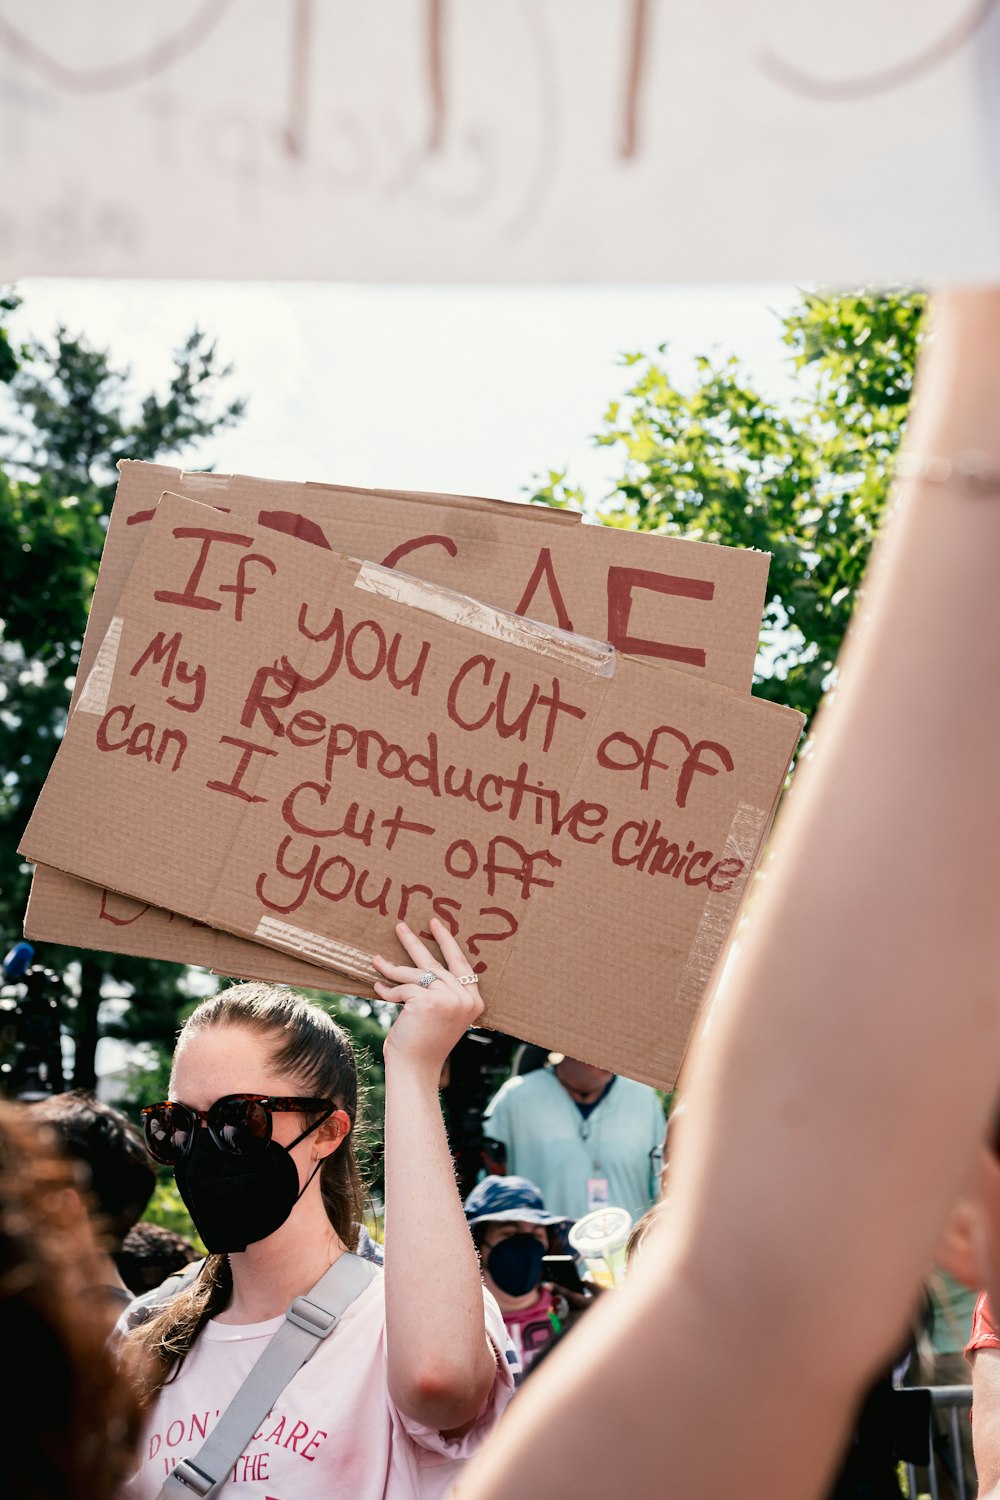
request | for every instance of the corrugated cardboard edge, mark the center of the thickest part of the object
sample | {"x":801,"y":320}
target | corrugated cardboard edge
{"x":267,"y":487}
{"x":360,"y":989}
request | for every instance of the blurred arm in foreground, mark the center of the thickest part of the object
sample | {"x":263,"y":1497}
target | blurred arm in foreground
{"x":810,"y":1179}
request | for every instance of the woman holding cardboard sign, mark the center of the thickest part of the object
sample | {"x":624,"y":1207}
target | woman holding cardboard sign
{"x":810,"y":1178}
{"x":407,"y":1369}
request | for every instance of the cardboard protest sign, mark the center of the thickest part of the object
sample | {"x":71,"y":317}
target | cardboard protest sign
{"x":692,"y":605}
{"x":62,"y":909}
{"x":301,"y":748}
{"x":459,"y":143}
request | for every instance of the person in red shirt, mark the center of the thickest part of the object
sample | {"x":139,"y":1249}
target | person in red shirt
{"x":983,"y":1353}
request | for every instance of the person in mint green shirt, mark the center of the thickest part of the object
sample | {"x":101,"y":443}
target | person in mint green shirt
{"x":587,"y":1137}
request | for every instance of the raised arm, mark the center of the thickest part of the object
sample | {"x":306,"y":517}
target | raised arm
{"x":811,"y":1175}
{"x":441,"y":1364}
{"x":986,"y":1419}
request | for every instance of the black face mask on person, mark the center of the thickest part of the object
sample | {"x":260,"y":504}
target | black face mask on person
{"x":234,"y":1201}
{"x":515,"y":1264}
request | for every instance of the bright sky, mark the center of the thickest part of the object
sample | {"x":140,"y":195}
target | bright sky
{"x":466,"y":389}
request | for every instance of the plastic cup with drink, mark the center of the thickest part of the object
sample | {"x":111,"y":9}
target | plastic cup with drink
{"x":600,"y":1238}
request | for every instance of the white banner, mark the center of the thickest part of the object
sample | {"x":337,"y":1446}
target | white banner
{"x":523,"y":141}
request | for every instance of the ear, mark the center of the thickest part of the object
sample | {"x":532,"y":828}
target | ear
{"x":959,"y":1250}
{"x":334,"y":1129}
{"x":970,"y":1246}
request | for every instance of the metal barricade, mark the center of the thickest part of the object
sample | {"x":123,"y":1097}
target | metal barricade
{"x":946,"y":1473}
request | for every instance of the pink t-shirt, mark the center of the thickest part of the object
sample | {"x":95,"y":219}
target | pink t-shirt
{"x":333,"y":1433}
{"x":531,"y":1328}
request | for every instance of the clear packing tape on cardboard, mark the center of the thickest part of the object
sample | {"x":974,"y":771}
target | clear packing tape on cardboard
{"x":561,"y":645}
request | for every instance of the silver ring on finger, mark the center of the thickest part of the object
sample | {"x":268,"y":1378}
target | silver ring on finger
{"x":468,"y":978}
{"x":427,"y":978}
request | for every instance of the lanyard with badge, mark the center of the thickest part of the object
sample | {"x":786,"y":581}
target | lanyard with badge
{"x":598,"y":1191}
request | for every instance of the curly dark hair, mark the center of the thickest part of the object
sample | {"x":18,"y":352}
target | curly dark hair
{"x":150,"y":1253}
{"x":119,"y":1177}
{"x":75,"y":1420}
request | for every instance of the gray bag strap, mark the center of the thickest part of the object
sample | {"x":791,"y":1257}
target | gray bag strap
{"x":308,"y":1321}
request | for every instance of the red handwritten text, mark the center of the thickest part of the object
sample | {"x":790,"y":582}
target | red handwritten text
{"x":495,"y":709}
{"x":161,"y":650}
{"x":635,"y":755}
{"x":656,"y":855}
{"x":189,"y":595}
{"x":144,"y":739}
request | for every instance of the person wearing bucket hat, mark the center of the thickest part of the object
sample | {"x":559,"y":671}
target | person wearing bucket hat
{"x":513,"y":1233}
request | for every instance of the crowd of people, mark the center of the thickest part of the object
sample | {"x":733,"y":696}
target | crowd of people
{"x":440,"y":1332}
{"x":436,"y":1336}
{"x":438,"y":1318}
{"x":794,"y":1270}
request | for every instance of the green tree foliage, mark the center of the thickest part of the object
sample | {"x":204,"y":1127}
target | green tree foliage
{"x":69,"y":416}
{"x":9,"y":302}
{"x":806,"y":482}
